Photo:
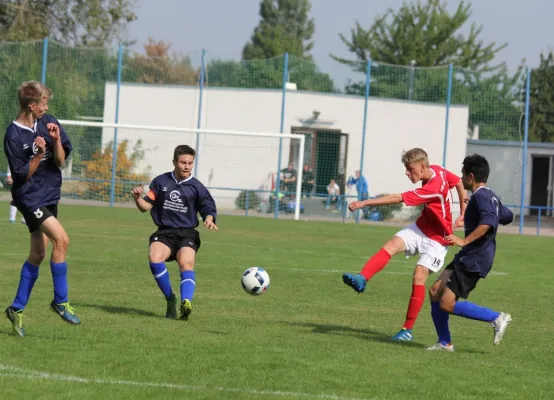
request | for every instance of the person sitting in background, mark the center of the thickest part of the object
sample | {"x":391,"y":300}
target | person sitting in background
{"x":288,"y":179}
{"x":308,"y":181}
{"x":333,"y":194}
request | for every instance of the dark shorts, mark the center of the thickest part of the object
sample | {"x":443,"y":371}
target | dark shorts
{"x":176,"y":239}
{"x":35,"y":217}
{"x":461,"y":282}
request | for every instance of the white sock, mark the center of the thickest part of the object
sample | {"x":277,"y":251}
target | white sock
{"x":13,"y":212}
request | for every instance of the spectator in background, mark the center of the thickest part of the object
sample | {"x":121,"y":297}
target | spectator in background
{"x":333,"y":197}
{"x":308,"y":181}
{"x":288,"y":178}
{"x":362,"y":189}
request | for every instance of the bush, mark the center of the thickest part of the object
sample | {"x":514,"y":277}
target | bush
{"x":253,"y":200}
{"x":386,"y":211}
{"x":99,"y":171}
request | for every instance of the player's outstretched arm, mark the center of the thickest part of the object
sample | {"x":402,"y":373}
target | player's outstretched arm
{"x":378,"y":201}
{"x":141,"y":204}
{"x":479,"y":232}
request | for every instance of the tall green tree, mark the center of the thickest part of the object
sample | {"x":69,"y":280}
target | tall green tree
{"x":425,"y":33}
{"x":75,"y":22}
{"x":411,"y":48}
{"x":541,"y":121}
{"x":285,"y":27}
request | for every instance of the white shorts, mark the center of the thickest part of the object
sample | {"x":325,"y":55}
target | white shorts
{"x":432,"y":253}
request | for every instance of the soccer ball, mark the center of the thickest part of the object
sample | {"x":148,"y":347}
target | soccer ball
{"x":255,"y":281}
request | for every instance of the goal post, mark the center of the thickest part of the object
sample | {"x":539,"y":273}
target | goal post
{"x":227,"y":161}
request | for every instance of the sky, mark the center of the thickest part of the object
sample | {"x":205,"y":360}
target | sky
{"x":222,"y":27}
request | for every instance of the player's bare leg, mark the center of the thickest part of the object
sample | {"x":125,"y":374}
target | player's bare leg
{"x":375,"y":264}
{"x":57,"y":235}
{"x":157,"y":254}
{"x":186,"y":258}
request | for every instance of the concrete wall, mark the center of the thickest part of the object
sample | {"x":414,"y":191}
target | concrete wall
{"x":238,"y":162}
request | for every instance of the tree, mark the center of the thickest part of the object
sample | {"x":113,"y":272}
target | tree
{"x":158,"y":66}
{"x":285,"y":28}
{"x":541,"y":121}
{"x":268,"y":74}
{"x":74,"y":22}
{"x":425,"y":33}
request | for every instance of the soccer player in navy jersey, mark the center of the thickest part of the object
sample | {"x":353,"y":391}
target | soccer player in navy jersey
{"x":174,"y":200}
{"x":474,"y":261}
{"x":37,"y":146}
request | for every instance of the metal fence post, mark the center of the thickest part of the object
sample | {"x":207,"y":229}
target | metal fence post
{"x":114,"y":151}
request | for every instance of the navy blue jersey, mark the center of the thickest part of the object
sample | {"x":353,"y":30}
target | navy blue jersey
{"x":483,"y":208}
{"x":177,"y":204}
{"x":43,"y":188}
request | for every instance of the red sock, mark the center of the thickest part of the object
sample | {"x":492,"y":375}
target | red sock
{"x":375,"y":264}
{"x":416,"y":302}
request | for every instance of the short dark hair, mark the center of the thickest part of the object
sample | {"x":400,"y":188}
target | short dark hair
{"x":181,"y":150}
{"x":478,"y":166}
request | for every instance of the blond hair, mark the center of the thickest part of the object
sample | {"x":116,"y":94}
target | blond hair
{"x":32,"y":92}
{"x":415,"y":155}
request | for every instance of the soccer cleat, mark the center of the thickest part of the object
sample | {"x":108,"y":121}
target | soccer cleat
{"x":403,"y":335}
{"x":356,"y":282}
{"x":500,"y":324}
{"x":12,"y":221}
{"x":66,"y":312}
{"x":171,"y":311}
{"x":186,"y":309}
{"x":16,"y":318}
{"x":441,"y":347}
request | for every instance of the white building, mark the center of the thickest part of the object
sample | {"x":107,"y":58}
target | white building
{"x":334,"y":136}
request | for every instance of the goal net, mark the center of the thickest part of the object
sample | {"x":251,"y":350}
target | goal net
{"x":241,"y":169}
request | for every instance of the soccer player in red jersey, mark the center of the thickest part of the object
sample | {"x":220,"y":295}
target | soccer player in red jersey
{"x":426,"y":237}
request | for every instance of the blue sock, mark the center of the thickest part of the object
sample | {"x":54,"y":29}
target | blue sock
{"x":162,"y":277}
{"x":29,"y":275}
{"x":188,"y":284}
{"x":440,"y":319}
{"x":473,"y":311}
{"x":59,"y":276}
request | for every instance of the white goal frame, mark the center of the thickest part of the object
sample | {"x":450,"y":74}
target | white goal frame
{"x":157,"y":128}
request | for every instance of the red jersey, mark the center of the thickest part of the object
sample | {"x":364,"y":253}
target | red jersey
{"x":435,"y":220}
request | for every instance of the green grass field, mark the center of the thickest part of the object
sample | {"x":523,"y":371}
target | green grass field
{"x":308,"y":337}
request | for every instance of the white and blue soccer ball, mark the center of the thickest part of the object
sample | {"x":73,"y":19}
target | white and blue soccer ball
{"x":255,"y":281}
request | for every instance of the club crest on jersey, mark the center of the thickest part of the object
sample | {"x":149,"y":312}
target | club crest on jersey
{"x":35,"y":151}
{"x":175,"y":196}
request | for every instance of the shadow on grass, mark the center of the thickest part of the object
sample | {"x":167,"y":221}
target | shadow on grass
{"x":122,"y":310}
{"x":340,"y":330}
{"x":368,"y":334}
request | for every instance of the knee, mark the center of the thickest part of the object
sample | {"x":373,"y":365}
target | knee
{"x":447,"y":305}
{"x":186,"y":266}
{"x":61,"y":243}
{"x":420,"y":277}
{"x":36,"y":256}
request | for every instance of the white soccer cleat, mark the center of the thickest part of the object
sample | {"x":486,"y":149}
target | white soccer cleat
{"x":441,"y":347}
{"x":499,"y":325}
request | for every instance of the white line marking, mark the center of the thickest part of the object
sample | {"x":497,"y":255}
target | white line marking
{"x":21,"y":373}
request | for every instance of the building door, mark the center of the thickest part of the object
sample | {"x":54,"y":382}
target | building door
{"x":540,"y":183}
{"x":326,"y":154}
